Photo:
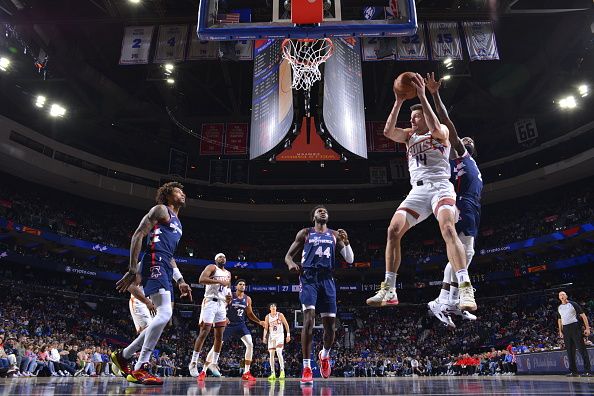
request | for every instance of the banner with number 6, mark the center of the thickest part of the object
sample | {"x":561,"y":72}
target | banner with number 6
{"x":136,"y":45}
{"x":171,"y":44}
{"x":445,"y":40}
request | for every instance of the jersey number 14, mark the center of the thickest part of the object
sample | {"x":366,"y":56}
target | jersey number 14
{"x":321,"y":253}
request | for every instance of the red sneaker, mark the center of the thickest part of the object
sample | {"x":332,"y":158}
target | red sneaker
{"x":307,"y":376}
{"x":324,"y":363}
{"x":248,"y":377}
{"x":144,"y":377}
{"x":201,"y":377}
{"x":120,"y":362}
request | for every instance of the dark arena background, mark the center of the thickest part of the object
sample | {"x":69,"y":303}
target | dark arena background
{"x":103,"y":102}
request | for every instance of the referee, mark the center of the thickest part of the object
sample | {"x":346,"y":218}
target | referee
{"x":570,"y":330}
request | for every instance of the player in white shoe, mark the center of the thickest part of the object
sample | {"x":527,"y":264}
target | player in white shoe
{"x":428,"y":152}
{"x":273,"y":328}
{"x":214,"y":311}
{"x":468,"y":184}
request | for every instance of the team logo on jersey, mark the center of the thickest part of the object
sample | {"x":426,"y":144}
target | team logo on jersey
{"x":155,"y":272}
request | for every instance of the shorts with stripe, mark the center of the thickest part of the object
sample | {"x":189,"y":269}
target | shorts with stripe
{"x":423,"y":200}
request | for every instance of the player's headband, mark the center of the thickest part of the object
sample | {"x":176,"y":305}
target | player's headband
{"x":219,"y":255}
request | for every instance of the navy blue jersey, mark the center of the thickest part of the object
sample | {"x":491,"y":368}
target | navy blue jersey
{"x":163,"y":238}
{"x":318,"y":250}
{"x":466,"y":177}
{"x":236,"y":311}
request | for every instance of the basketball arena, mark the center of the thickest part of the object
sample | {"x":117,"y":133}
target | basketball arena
{"x":296,"y":197}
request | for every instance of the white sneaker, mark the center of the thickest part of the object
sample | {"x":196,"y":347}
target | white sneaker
{"x":467,"y":302}
{"x":468,"y":316}
{"x":214,"y":370}
{"x":436,"y":308}
{"x":193,"y":367}
{"x":386,"y":295}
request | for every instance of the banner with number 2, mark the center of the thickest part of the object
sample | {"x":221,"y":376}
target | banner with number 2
{"x":136,"y":45}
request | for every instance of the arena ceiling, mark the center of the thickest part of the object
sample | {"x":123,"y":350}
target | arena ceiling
{"x":120,"y":112}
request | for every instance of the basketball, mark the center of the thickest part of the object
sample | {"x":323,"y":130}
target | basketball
{"x":403,"y":87}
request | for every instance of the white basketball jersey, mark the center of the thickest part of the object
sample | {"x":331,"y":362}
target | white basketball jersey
{"x":275,"y":325}
{"x":218,"y":291}
{"x":428,"y":159}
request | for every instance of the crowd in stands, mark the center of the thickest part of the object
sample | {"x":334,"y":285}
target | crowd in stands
{"x":43,"y":332}
{"x":69,"y":215}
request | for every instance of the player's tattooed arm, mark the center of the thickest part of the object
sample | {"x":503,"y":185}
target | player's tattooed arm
{"x":442,"y":113}
{"x":295,"y":247}
{"x":158,"y":214}
{"x":184,"y":289}
{"x":399,"y":135}
{"x":250,"y":314}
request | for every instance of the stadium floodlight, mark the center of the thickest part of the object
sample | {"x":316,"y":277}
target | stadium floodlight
{"x":134,"y":1}
{"x":568,"y":102}
{"x":584,"y":90}
{"x":170,"y":81}
{"x":447,"y":61}
{"x":446,"y":77}
{"x":169,"y":67}
{"x":40,"y":102}
{"x":57,"y":111}
{"x":4,"y":63}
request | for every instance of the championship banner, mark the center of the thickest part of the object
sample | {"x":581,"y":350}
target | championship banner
{"x":201,"y":49}
{"x":380,"y":143}
{"x":480,"y":40}
{"x":412,"y":48}
{"x":218,"y":171}
{"x":236,"y":137}
{"x":178,"y":162}
{"x":171,"y":44}
{"x":136,"y":45}
{"x":211,"y":139}
{"x":445,"y":41}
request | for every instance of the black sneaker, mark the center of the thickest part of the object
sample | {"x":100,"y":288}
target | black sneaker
{"x":587,"y":374}
{"x":572,"y":375}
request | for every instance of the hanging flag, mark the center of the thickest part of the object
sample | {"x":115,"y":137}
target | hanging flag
{"x":171,"y":44}
{"x":412,"y":47}
{"x":445,"y":40}
{"x":136,"y":45}
{"x":480,"y":40}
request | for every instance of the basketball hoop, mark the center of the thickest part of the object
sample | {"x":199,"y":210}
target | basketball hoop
{"x":305,"y":57}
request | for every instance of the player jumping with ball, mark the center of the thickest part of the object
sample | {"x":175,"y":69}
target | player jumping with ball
{"x":428,"y":152}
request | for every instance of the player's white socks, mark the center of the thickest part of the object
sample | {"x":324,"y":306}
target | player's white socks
{"x":281,"y":359}
{"x":325,"y":353}
{"x":162,"y":301}
{"x":246,"y":368}
{"x":306,"y":363}
{"x":195,"y":357}
{"x":210,"y":356}
{"x":272,"y":366}
{"x":462,"y":276}
{"x":134,"y":346}
{"x":215,"y":357}
{"x":444,"y":295}
{"x":390,"y":279}
{"x":454,"y":295}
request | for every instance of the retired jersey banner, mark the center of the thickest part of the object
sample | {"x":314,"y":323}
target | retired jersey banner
{"x":202,"y":49}
{"x":445,"y":40}
{"x":211,"y":140}
{"x":378,"y":48}
{"x":171,"y":44}
{"x":244,"y":49}
{"x":136,"y":45}
{"x":412,"y":48}
{"x":480,"y":40}
{"x":236,"y":137}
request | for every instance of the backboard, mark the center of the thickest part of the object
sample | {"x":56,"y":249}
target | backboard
{"x":258,"y":19}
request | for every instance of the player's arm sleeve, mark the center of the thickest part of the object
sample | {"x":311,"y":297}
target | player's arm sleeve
{"x":347,"y":253}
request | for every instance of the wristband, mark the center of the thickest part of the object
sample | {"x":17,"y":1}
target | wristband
{"x":177,"y":274}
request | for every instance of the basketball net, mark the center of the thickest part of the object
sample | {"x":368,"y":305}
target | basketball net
{"x":305,"y":57}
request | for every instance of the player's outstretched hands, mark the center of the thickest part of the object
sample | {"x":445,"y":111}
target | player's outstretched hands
{"x":294,"y":268}
{"x":151,"y":307}
{"x":123,"y":284}
{"x":344,"y":237}
{"x":185,"y":290}
{"x":288,"y":339}
{"x":419,"y":84}
{"x":432,"y":85}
